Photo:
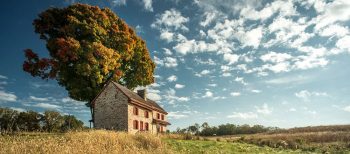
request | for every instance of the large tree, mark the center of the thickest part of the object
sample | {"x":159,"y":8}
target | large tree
{"x":88,"y":47}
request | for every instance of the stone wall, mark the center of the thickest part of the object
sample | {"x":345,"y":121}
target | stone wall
{"x":139,"y":117}
{"x":113,"y":111}
{"x":110,"y":110}
{"x":155,"y":117}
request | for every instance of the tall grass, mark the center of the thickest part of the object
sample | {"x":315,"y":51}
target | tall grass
{"x":97,"y":141}
{"x":309,"y":141}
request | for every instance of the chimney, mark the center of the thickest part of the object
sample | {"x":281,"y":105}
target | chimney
{"x":142,"y":93}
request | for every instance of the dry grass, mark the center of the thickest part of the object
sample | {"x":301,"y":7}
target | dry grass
{"x":328,"y":141}
{"x":82,"y":142}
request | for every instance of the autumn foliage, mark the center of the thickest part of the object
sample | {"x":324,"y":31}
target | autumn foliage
{"x":89,"y":46}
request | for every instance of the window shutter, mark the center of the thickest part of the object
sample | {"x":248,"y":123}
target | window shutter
{"x":141,"y":125}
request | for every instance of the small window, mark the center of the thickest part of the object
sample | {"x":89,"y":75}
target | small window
{"x":136,"y":124}
{"x":136,"y":111}
{"x":162,"y":116}
{"x":146,"y":114}
{"x":141,"y":125}
{"x":158,"y":116}
{"x":146,"y":126}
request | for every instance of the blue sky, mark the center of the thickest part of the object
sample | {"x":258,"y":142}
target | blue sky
{"x":275,"y":63}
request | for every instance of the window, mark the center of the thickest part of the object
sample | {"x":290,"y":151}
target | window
{"x":161,"y":128}
{"x":146,"y":114}
{"x":136,"y":124}
{"x":158,"y":116}
{"x":141,"y":125}
{"x":136,"y":111}
{"x":162,"y":116}
{"x":146,"y":126}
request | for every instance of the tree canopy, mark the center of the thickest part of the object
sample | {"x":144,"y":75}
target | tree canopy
{"x":88,"y":46}
{"x":50,"y":121}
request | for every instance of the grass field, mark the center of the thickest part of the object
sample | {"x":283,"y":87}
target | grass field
{"x":321,"y":139}
{"x":197,"y":146}
{"x":81,"y":142}
{"x":99,"y":141}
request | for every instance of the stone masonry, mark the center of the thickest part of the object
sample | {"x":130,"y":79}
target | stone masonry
{"x":114,"y":110}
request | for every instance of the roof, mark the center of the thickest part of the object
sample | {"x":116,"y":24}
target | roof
{"x":135,"y":97}
{"x":156,"y":121}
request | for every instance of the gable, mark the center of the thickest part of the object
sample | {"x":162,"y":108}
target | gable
{"x":133,"y":98}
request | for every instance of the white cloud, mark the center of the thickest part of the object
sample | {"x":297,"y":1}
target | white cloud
{"x":234,"y":94}
{"x":226,"y":74}
{"x":167,"y":51}
{"x":119,"y":2}
{"x":332,"y":12}
{"x":172,"y":78}
{"x":170,"y":62}
{"x":207,"y":94}
{"x":343,"y":43}
{"x":243,"y":115}
{"x":185,"y":46}
{"x":292,"y":110}
{"x":241,"y":80}
{"x":227,"y":7}
{"x":284,"y":30}
{"x":286,"y":8}
{"x":38,"y":98}
{"x":225,"y":68}
{"x":170,"y":19}
{"x":251,"y":13}
{"x":167,"y":36}
{"x":308,"y":62}
{"x":231,"y":58}
{"x":158,"y":61}
{"x":70,"y":100}
{"x":335,"y":30}
{"x":153,"y":94}
{"x":18,"y":109}
{"x":171,"y":97}
{"x":7,"y":97}
{"x":275,"y":57}
{"x":155,"y":85}
{"x":205,"y":72}
{"x":179,"y":86}
{"x":289,"y":79}
{"x":202,"y":73}
{"x":252,"y":37}
{"x":278,"y":67}
{"x":47,"y":106}
{"x":347,"y":108}
{"x":209,"y":17}
{"x":176,"y":115}
{"x":305,"y":94}
{"x":212,"y":85}
{"x":206,"y":62}
{"x":148,"y":5}
{"x":3,"y":77}
{"x":265,"y":109}
{"x":256,"y":91}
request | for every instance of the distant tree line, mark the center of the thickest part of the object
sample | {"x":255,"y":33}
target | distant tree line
{"x":50,"y":121}
{"x":225,"y":129}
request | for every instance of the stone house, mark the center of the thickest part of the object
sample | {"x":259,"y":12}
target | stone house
{"x":118,"y":108}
